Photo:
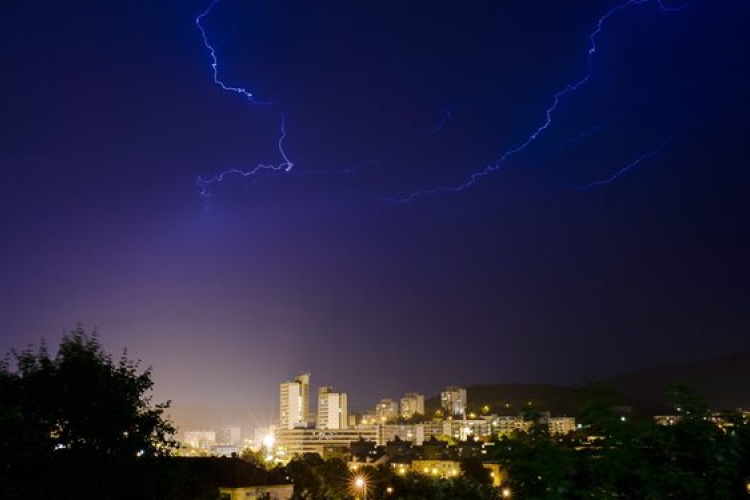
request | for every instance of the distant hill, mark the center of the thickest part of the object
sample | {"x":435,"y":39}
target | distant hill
{"x":723,"y":382}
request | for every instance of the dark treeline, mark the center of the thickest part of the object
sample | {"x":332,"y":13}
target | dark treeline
{"x":82,"y":425}
{"x":700,"y":455}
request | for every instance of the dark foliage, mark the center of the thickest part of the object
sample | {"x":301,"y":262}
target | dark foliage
{"x":80,"y":422}
{"x":616,"y":457}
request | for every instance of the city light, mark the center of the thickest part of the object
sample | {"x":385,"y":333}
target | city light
{"x":268,"y":441}
{"x":361,"y":485}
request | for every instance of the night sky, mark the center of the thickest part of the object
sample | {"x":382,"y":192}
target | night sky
{"x":540,"y":271}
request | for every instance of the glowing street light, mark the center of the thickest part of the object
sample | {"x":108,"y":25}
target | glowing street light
{"x":360,"y":484}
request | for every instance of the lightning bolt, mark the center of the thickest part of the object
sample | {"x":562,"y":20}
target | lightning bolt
{"x":215,"y":60}
{"x":622,"y":171}
{"x":285,"y":165}
{"x":549,"y":113}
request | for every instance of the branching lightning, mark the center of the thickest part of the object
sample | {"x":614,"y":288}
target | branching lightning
{"x":558,"y":97}
{"x":285,"y":165}
{"x":215,"y":61}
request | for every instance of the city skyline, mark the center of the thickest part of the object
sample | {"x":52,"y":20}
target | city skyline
{"x":485,"y":193}
{"x":329,"y":430}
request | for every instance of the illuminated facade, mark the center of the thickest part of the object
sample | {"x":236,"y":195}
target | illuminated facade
{"x":230,"y":435}
{"x":412,"y":404}
{"x":506,"y":425}
{"x":417,"y":434}
{"x":447,"y":469}
{"x":294,"y":402}
{"x":332,"y":409}
{"x":269,"y":492}
{"x":561,"y":425}
{"x":291,"y":442}
{"x":387,"y":409}
{"x":202,"y":439}
{"x":404,"y":432}
{"x":461,"y":429}
{"x":453,"y":400}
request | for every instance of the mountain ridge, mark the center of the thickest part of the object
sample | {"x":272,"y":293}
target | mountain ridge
{"x":723,"y":382}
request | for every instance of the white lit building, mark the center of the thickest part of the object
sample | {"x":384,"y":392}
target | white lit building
{"x":506,"y":425}
{"x":453,"y":400}
{"x":202,"y":439}
{"x":412,"y":404}
{"x":387,"y":409}
{"x":291,"y":442}
{"x":229,"y":435}
{"x":332,"y":409}
{"x":294,"y":402}
{"x":369,"y":418}
{"x":224,"y":450}
{"x":404,"y":432}
{"x":561,"y":425}
{"x":266,"y":492}
{"x":419,"y":433}
{"x":448,"y":469}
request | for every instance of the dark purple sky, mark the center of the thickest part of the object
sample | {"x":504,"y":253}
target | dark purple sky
{"x":110,"y":113}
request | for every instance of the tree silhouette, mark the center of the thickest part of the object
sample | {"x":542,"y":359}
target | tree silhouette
{"x":80,"y":417}
{"x":629,"y":458}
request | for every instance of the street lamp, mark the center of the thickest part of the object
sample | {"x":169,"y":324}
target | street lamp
{"x":360,"y":484}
